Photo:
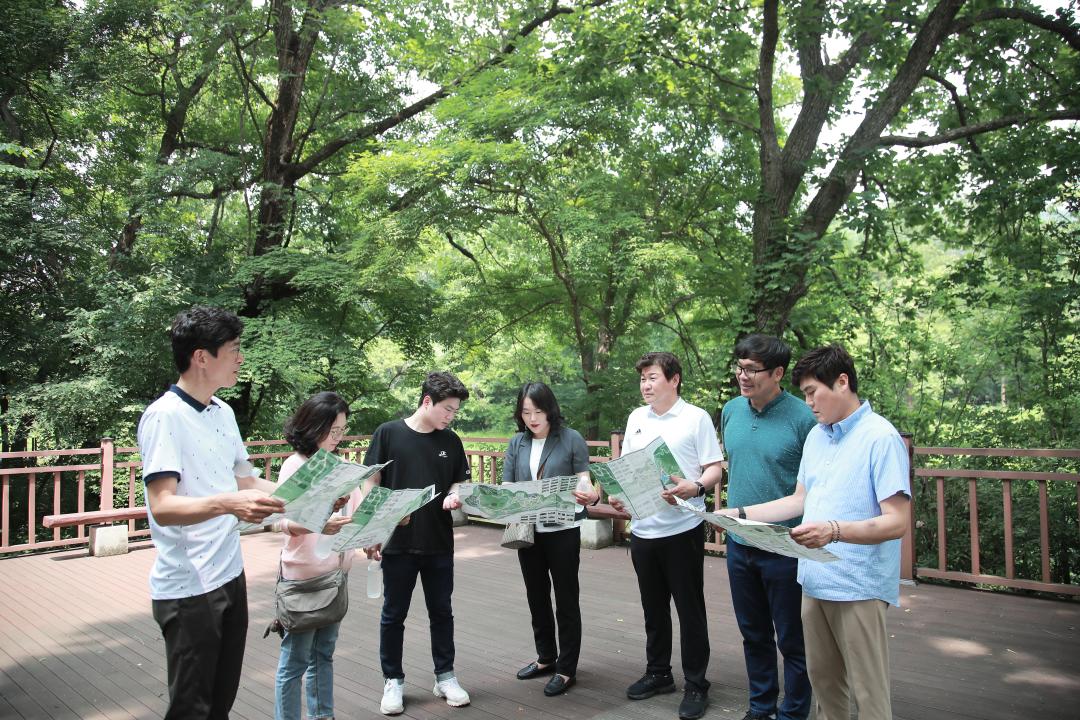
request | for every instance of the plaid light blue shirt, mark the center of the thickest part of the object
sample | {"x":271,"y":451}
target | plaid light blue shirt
{"x":848,"y":468}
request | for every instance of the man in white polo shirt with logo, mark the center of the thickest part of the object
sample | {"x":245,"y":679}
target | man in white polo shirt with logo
{"x":668,"y":549}
{"x":198,"y":482}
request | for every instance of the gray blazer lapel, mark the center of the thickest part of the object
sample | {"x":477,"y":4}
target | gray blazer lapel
{"x":550,"y":444}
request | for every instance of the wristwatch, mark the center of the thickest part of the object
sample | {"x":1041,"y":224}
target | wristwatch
{"x":742,"y":513}
{"x":700,"y":488}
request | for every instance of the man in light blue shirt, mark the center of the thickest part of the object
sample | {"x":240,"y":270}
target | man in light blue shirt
{"x":853,"y":494}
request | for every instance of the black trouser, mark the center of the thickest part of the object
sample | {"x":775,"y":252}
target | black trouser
{"x":553,"y":561}
{"x":674,"y":568}
{"x":400,"y":571}
{"x":205,"y":636}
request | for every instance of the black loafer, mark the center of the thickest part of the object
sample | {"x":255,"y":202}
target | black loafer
{"x":557,"y":686}
{"x":533,"y":670}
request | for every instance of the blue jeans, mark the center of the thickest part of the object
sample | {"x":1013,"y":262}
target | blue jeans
{"x":309,"y":655}
{"x":400,"y":571}
{"x":766,"y":595}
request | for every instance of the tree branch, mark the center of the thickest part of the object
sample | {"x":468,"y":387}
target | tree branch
{"x":977,"y":129}
{"x":1068,"y":33}
{"x":298,"y":170}
{"x":467,"y":253}
{"x":719,"y":77}
{"x":770,"y":36}
{"x":961,"y":111}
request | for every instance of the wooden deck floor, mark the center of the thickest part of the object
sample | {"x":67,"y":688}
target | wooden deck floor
{"x":77,"y":641}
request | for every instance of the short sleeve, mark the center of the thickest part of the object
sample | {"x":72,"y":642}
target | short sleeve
{"x":292,"y":463}
{"x":464,"y":472}
{"x":628,"y":435}
{"x":725,"y":415}
{"x":241,"y":448}
{"x":580,"y":453}
{"x":377,"y":450}
{"x":708,"y":447}
{"x":889,"y":467}
{"x":159,"y":445}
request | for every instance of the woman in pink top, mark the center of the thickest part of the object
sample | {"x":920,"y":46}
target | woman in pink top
{"x":319,"y":423}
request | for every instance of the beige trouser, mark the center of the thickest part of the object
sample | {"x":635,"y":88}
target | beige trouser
{"x":847,"y":653}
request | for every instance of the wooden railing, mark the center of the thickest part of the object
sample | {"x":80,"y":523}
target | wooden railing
{"x":939,"y":494}
{"x":69,"y":481}
{"x":39,"y":502}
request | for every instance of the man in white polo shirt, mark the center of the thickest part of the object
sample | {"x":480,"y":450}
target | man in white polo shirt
{"x":198,"y":482}
{"x":668,"y":549}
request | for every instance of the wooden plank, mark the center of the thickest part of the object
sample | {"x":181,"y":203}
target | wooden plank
{"x":56,"y":503}
{"x":1001,"y":452}
{"x":1019,"y":584}
{"x":49,"y":453}
{"x":5,"y":509}
{"x":973,"y":524}
{"x":46,"y":469}
{"x":955,"y":653}
{"x":996,"y":474}
{"x":941,"y":538}
{"x":1044,"y":531}
{"x":1010,"y":559}
{"x":94,"y":517}
{"x":31,"y":509}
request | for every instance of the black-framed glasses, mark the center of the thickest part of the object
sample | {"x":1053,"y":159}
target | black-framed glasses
{"x":750,"y":373}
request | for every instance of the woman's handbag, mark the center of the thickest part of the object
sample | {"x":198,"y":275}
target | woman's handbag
{"x":303,"y":605}
{"x":519,"y":536}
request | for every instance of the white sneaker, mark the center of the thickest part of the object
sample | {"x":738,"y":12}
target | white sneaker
{"x":392,"y":702}
{"x":453,"y":692}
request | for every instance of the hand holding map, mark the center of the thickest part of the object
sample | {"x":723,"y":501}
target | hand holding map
{"x":548,"y":500}
{"x":765,"y":536}
{"x":311,"y":492}
{"x":379,"y":514}
{"x":637,"y":478}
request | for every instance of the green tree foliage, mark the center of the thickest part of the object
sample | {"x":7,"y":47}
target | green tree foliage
{"x":529,"y":190}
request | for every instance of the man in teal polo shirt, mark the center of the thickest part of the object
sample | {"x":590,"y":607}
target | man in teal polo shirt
{"x":853,"y":494}
{"x":763,"y":433}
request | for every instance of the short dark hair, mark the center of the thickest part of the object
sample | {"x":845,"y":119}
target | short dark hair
{"x":441,"y":385}
{"x":545,"y":402}
{"x":666,"y":362}
{"x":826,"y":364}
{"x":770,"y":351}
{"x":201,"y":328}
{"x":312,"y":421}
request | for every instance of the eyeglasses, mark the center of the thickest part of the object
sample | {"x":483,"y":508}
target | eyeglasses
{"x":749,"y":373}
{"x":338,"y":432}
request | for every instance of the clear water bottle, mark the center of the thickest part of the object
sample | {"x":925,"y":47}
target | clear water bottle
{"x":374,"y":579}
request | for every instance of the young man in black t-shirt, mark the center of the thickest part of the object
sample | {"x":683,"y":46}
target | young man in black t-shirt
{"x":424,"y":452}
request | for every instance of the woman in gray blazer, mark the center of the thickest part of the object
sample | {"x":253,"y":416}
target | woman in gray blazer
{"x":545,"y":447}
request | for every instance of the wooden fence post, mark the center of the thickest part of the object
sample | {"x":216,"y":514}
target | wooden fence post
{"x":108,"y":460}
{"x":907,"y":543}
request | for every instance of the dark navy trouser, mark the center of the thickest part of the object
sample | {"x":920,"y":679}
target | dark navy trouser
{"x":436,"y":573}
{"x":767,"y":599}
